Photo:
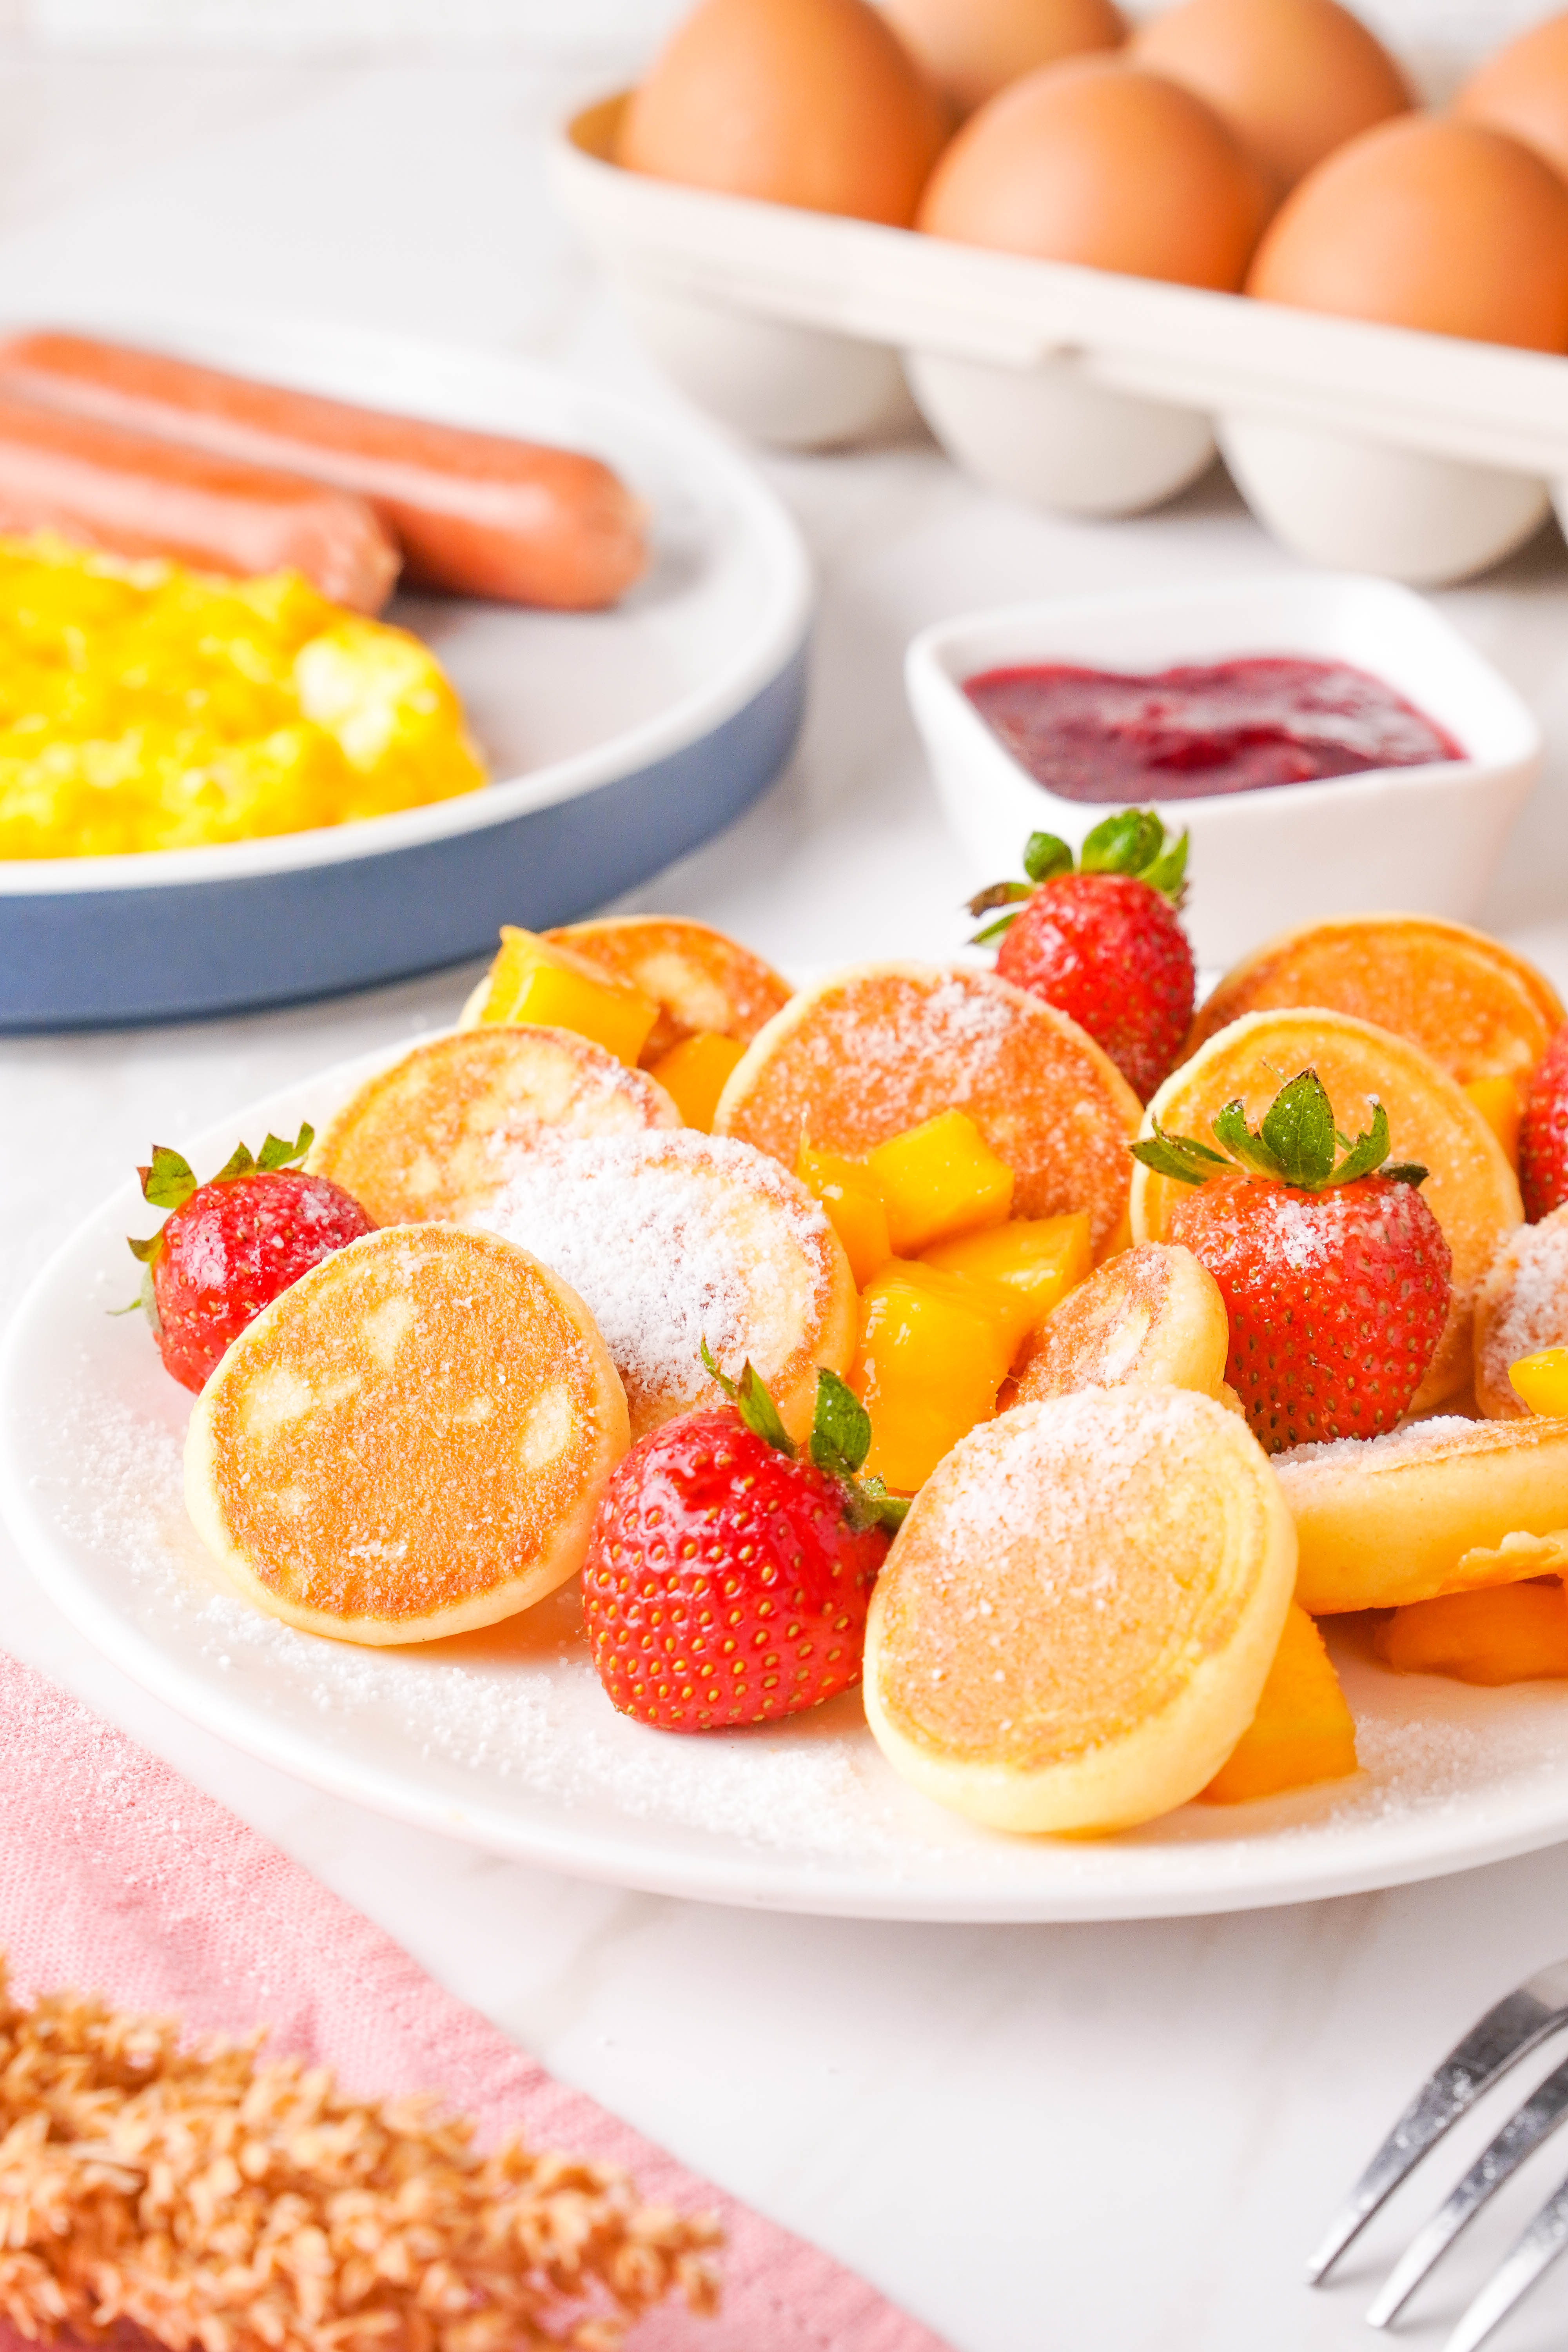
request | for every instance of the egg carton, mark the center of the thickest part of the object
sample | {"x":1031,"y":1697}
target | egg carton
{"x":1365,"y":448}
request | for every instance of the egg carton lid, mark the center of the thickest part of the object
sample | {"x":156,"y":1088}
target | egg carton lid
{"x":1217,"y":352}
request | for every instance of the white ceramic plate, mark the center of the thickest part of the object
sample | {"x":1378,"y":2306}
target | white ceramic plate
{"x":505,"y":1739}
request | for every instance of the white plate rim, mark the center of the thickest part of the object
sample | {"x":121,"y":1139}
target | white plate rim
{"x":1168,"y":1880}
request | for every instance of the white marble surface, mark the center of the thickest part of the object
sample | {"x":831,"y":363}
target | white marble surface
{"x":1115,"y":2139}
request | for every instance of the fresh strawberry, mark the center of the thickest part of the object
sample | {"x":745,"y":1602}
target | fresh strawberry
{"x":727,"y":1580}
{"x":1543,"y":1134}
{"x":1334,"y":1272}
{"x":231,"y":1244}
{"x":1101,"y":940}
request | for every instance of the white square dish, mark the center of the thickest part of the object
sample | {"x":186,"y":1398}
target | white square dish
{"x":1424,"y":838}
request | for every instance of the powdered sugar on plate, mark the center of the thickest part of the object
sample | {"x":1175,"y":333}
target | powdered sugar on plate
{"x":505,"y":1737}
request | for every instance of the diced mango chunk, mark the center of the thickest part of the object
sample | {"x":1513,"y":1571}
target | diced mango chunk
{"x":693,"y":1074}
{"x":1303,"y":1731}
{"x":938,"y":1179}
{"x":531,"y":981}
{"x":1503,"y":1634}
{"x":1499,"y":1103}
{"x":934,"y":1349}
{"x":1043,"y":1257}
{"x":1541,"y":1381}
{"x":853,"y":1199}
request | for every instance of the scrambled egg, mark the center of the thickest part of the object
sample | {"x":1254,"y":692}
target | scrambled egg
{"x":146,"y":706}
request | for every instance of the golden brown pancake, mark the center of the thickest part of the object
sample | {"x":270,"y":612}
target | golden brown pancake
{"x":1152,"y":1316}
{"x":1074,"y":1621}
{"x":699,"y":978}
{"x":409,"y":1442}
{"x":1440,"y":1505}
{"x":1521,"y":1308}
{"x":675,"y":1239}
{"x":1471,"y":1190}
{"x":883,"y":1046}
{"x":1480,"y":1011}
{"x":435,"y":1134}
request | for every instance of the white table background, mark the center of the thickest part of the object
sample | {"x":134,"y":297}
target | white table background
{"x":1095,"y":2139}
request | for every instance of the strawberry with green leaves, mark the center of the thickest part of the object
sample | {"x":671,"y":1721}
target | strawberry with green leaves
{"x":228,"y":1246}
{"x":1099,"y":939}
{"x":1334,"y":1272}
{"x":728,"y":1580}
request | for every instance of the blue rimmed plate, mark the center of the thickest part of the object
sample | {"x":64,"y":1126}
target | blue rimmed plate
{"x":616,"y":740}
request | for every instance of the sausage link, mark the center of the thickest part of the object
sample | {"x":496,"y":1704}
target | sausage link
{"x":478,"y":514}
{"x":135,"y":496}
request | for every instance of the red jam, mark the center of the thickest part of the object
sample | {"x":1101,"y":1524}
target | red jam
{"x":1218,"y":727}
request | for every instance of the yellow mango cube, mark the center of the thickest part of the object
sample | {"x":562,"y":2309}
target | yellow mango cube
{"x":1043,"y":1257}
{"x":934,"y":1349}
{"x":1303,"y":1731}
{"x":938,"y":1179}
{"x":1541,"y":1381}
{"x":693,"y":1075}
{"x":1498,"y":1100}
{"x":856,"y":1210}
{"x":532,"y":982}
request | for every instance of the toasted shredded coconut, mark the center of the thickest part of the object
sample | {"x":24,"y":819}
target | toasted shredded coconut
{"x":191,"y":2191}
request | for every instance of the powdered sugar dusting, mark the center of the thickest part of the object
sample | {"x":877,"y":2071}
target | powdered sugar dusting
{"x":1023,"y":1478}
{"x":673,"y":1238}
{"x":1522,"y":1307}
{"x":881,"y":1047}
{"x":1441,"y":1433}
{"x":1058,"y":1575}
{"x":1301,"y":1233}
{"x":519,"y":1706}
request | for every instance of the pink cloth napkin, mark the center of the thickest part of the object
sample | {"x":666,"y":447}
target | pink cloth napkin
{"x":118,"y":1877}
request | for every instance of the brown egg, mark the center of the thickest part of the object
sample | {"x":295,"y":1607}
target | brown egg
{"x":1093,"y":162}
{"x":1427,"y":223}
{"x":972,"y":48}
{"x":1294,"y":79}
{"x":1523,"y":89}
{"x":808,"y":102}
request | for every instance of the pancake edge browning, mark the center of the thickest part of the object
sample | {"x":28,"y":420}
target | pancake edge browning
{"x":1168,"y":1755}
{"x":568,"y":1546}
{"x":1408,"y":1517}
{"x":1229,"y":996}
{"x":1105,"y":1215}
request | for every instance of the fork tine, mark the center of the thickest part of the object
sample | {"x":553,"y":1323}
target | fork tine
{"x":1513,"y":2278}
{"x":1519,"y":2023}
{"x":1546,"y":2107}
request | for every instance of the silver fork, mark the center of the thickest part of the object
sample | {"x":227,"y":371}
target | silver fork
{"x":1517,"y":2025}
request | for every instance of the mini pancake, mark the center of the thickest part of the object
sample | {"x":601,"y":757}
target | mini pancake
{"x":1522,"y":1308}
{"x":1471,"y":1190}
{"x":1478,"y":1009}
{"x":1151,"y":1317}
{"x":1074,"y":1624}
{"x":699,"y":978}
{"x":675,"y":1239}
{"x":435,"y":1134}
{"x":409,"y":1442}
{"x":1440,"y":1505}
{"x":883,"y":1046}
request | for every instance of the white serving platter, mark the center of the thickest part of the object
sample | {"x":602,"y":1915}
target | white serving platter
{"x":1362,"y":446}
{"x":616,"y":740}
{"x":505,"y":1741}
